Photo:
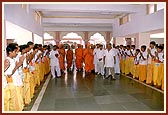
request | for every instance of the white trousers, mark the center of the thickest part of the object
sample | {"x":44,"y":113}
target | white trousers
{"x":100,"y":67}
{"x":117,"y":68}
{"x":111,"y":69}
{"x":54,"y":70}
{"x":96,"y":66}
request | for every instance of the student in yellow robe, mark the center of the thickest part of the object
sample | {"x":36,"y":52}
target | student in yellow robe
{"x":14,"y":80}
{"x":158,"y":72}
{"x":151,"y":54}
{"x":135,"y":71}
{"x":143,"y":64}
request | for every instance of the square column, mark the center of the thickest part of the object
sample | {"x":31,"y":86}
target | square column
{"x":108,"y":38}
{"x":86,"y":37}
{"x":142,"y":39}
{"x":57,"y":37}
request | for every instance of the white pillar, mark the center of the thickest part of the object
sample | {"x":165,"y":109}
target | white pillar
{"x":120,"y":41}
{"x":142,"y":39}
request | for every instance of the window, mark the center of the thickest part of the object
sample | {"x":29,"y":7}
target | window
{"x":37,"y":17}
{"x":160,"y":6}
{"x":124,"y":19}
{"x":24,"y":6}
{"x":151,"y":8}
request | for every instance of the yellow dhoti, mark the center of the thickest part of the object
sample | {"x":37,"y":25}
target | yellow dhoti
{"x":6,"y":98}
{"x":142,"y":72}
{"x":27,"y":98}
{"x":162,"y":75}
{"x":37,"y":73}
{"x":149,"y":78}
{"x":131,"y":66}
{"x":156,"y":73}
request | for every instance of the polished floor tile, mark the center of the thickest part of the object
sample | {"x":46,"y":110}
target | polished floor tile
{"x":78,"y":92}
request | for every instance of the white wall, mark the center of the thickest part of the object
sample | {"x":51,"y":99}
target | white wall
{"x":16,"y":14}
{"x":120,"y":41}
{"x":38,"y":39}
{"x":158,"y":40}
{"x":140,"y":22}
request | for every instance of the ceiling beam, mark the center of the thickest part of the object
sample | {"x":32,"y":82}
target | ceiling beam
{"x":77,"y":20}
{"x":88,"y":7}
{"x":70,"y":29}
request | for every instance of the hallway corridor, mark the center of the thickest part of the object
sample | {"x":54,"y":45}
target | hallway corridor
{"x":73,"y":92}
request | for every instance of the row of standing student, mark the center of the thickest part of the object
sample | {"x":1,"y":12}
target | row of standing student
{"x":144,"y":64}
{"x":24,"y":68}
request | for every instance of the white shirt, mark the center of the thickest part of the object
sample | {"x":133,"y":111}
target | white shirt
{"x":133,"y":52}
{"x":20,"y":71}
{"x":32,"y":68}
{"x":143,"y":62}
{"x":38,"y":52}
{"x":95,"y":55}
{"x":45,"y":53}
{"x":109,"y":58}
{"x":153,"y":53}
{"x":17,"y":79}
{"x":137,"y":58}
{"x":54,"y":60}
{"x":122,"y":54}
{"x":117,"y":54}
{"x":30,"y":51}
{"x":100,"y":54}
{"x":128,"y":53}
{"x":17,"y":57}
{"x":160,"y":55}
{"x":5,"y":84}
{"x":24,"y":61}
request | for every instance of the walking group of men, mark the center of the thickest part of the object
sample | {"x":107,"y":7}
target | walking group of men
{"x":25,"y":66}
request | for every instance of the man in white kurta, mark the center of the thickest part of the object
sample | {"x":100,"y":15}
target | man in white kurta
{"x":100,"y":60}
{"x":109,"y":61}
{"x":117,"y":65}
{"x":95,"y":58}
{"x":54,"y":62}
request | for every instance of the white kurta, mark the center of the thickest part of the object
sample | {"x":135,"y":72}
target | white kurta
{"x":54,"y":63}
{"x":117,"y":65}
{"x":95,"y":51}
{"x":160,"y":55}
{"x":128,"y":53}
{"x":133,"y":52}
{"x":143,"y":62}
{"x":109,"y":58}
{"x":137,"y":58}
{"x":153,"y":53}
{"x":17,"y":79}
{"x":38,"y":52}
{"x":100,"y":55}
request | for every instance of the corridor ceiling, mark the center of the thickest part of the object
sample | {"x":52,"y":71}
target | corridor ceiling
{"x":82,"y":16}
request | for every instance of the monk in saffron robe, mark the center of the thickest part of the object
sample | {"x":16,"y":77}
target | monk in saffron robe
{"x":88,"y":59}
{"x":69,"y":57}
{"x":92,"y":57}
{"x":62,"y":57}
{"x":79,"y":57}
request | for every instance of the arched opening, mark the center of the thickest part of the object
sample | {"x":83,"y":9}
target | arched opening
{"x":97,"y":38}
{"x":72,"y":39}
{"x":48,"y":39}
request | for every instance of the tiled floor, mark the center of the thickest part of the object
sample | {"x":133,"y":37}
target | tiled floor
{"x":73,"y":92}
